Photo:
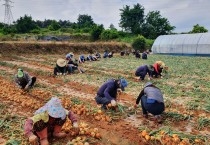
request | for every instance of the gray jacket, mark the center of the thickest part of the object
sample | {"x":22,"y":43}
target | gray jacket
{"x":153,"y":93}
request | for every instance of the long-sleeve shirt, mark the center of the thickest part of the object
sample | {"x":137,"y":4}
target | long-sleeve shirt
{"x":108,"y":90}
{"x":142,"y":71}
{"x":158,"y":69}
{"x":26,"y":78}
{"x":152,"y":93}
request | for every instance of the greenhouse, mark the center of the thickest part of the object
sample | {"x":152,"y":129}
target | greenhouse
{"x":183,"y":44}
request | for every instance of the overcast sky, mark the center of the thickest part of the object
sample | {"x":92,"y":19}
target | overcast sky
{"x":182,"y":14}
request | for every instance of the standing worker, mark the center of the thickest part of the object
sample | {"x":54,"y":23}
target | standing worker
{"x":23,"y":80}
{"x":107,"y":93}
{"x":151,"y":101}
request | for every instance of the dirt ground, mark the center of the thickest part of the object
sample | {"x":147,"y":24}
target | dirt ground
{"x":125,"y":129}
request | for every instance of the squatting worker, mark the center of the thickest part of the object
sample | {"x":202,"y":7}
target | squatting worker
{"x":107,"y":93}
{"x":151,"y":101}
{"x":23,"y":80}
{"x":60,"y":68}
{"x":48,"y":121}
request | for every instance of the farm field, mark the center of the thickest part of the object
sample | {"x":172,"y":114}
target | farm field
{"x":186,"y":89}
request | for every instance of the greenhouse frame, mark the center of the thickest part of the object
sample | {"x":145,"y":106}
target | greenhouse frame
{"x":183,"y":44}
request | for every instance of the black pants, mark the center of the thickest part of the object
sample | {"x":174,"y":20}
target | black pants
{"x":24,"y":83}
{"x":102,"y":100}
{"x":153,"y":108}
{"x":141,"y":75}
{"x":58,"y":69}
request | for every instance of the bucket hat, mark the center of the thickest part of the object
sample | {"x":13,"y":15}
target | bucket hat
{"x":123,"y":83}
{"x":54,"y":108}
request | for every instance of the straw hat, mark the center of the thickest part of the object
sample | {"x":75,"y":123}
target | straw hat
{"x":61,"y":62}
{"x":160,"y":63}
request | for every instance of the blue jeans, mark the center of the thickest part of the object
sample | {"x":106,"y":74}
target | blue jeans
{"x":102,"y":100}
{"x":71,"y":69}
{"x":153,"y":108}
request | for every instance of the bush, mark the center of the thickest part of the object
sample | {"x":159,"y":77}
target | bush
{"x":67,"y":30}
{"x":96,"y":32}
{"x":109,"y":34}
{"x":139,"y":43}
{"x":35,"y":31}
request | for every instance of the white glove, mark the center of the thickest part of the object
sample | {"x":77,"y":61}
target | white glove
{"x":113,"y":102}
{"x":26,"y":87}
{"x":75,"y":124}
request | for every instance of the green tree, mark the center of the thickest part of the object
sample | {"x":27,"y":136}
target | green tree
{"x":1,"y":25}
{"x":132,"y":18}
{"x":9,"y":30}
{"x":139,"y":43}
{"x":54,"y":26}
{"x":109,"y":34}
{"x":96,"y":32}
{"x":112,"y":27}
{"x":25,"y":24}
{"x":156,"y":25}
{"x":198,"y":29}
{"x":85,"y":21}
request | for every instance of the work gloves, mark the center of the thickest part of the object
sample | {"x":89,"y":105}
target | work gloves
{"x":114,"y":103}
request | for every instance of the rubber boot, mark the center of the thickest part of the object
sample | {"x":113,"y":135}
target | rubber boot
{"x":57,"y":132}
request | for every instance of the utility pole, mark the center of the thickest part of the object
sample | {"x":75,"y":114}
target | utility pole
{"x":8,"y":18}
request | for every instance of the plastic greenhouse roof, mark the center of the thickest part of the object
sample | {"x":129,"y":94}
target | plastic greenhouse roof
{"x":193,"y":44}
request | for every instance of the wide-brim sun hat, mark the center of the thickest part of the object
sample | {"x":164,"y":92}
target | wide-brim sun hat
{"x":147,"y":84}
{"x":123,"y":83}
{"x":161,"y":63}
{"x":54,"y":109}
{"x":61,"y":62}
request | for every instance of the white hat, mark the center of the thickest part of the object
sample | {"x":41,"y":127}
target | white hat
{"x":61,"y":62}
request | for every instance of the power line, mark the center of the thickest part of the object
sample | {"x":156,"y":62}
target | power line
{"x":8,"y":18}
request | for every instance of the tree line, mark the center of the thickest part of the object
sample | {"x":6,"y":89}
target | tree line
{"x":133,"y":21}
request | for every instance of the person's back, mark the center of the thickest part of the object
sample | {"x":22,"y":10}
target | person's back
{"x":153,"y":93}
{"x":144,"y":55}
{"x":122,"y":53}
{"x":138,"y":55}
{"x":105,"y":54}
{"x":109,"y":84}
